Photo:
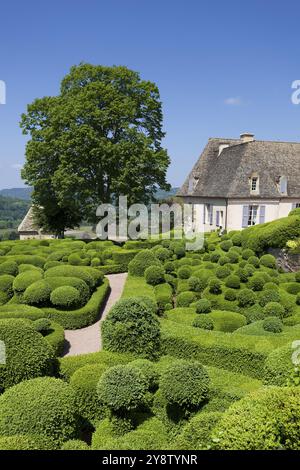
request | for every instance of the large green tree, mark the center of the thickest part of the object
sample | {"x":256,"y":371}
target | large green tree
{"x":98,"y":139}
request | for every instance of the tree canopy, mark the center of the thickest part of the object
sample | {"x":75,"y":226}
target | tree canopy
{"x":98,"y":139}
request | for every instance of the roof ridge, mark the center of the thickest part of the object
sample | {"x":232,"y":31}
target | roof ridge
{"x":256,"y":140}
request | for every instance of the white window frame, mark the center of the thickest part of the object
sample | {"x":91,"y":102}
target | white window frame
{"x":254,"y":183}
{"x":252,"y":215}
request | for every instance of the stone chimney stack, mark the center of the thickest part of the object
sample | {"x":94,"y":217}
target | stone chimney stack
{"x":247,"y":137}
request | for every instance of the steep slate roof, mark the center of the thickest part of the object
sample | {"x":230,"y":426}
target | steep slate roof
{"x":27,"y":224}
{"x":227,"y":175}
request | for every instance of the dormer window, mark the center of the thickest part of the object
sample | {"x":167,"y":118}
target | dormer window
{"x":283,"y":185}
{"x":254,"y":183}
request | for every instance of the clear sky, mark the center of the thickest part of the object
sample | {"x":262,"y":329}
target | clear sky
{"x":222,"y":67}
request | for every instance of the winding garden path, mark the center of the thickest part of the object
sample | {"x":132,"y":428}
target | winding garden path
{"x":88,"y":340}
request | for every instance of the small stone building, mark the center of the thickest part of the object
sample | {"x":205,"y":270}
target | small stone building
{"x":29,"y":230}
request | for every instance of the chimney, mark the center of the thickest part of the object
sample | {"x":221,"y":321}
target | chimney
{"x":247,"y":137}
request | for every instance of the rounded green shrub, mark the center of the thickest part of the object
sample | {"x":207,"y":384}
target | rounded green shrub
{"x":233,"y":256}
{"x":184,"y":272}
{"x":247,"y":253}
{"x":237,"y":239}
{"x":28,"y":354}
{"x":223,"y":271}
{"x":274,"y":309}
{"x":224,"y":260}
{"x":246,"y":298}
{"x":169,"y":267}
{"x":233,"y":282}
{"x":195,"y":284}
{"x":185,"y":384}
{"x":142,"y":261}
{"x":122,"y":388}
{"x":279,"y":366}
{"x":292,"y":287}
{"x":132,"y":327}
{"x":91,"y":276}
{"x":298,"y":299}
{"x":9,"y":267}
{"x":154,"y":275}
{"x":204,"y":322}
{"x":215,"y":286}
{"x":185,"y":299}
{"x":226,"y":245}
{"x":44,"y":406}
{"x":214,"y":257}
{"x":230,"y":294}
{"x":270,"y":285}
{"x":95,"y":262}
{"x":25,"y":279}
{"x":37,"y":293}
{"x":254,"y":261}
{"x":148,"y":370}
{"x":84,"y":381}
{"x":269,"y":261}
{"x":266,"y":419}
{"x":65,"y":297}
{"x":257,"y":282}
{"x":162,"y":253}
{"x":196,"y":434}
{"x":6,"y":283}
{"x":42,"y":325}
{"x":268,"y":295}
{"x":203,"y":306}
{"x":273,"y":325}
{"x":297,"y":276}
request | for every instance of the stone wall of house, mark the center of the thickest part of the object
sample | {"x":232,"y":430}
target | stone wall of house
{"x":287,"y":261}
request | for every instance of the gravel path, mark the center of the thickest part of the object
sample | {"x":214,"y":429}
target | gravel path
{"x":88,"y":340}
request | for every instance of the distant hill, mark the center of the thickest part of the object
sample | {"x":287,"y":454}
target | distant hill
{"x":17,"y":193}
{"x":161,"y":194}
{"x":12,"y":211}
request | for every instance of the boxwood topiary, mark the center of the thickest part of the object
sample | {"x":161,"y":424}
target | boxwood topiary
{"x":148,"y":370}
{"x":142,"y":261}
{"x":273,"y":324}
{"x":132,"y":327}
{"x":268,"y":261}
{"x":268,"y":295}
{"x":122,"y":388}
{"x":195,"y":284}
{"x":274,"y":309}
{"x":6,"y":282}
{"x":266,"y":419}
{"x":224,"y":260}
{"x":75,"y":444}
{"x":42,"y":325}
{"x":223,"y":271}
{"x":184,"y":272}
{"x":215,"y":286}
{"x":233,"y":282}
{"x":65,"y":297}
{"x":44,"y":406}
{"x":246,"y":298}
{"x":28,"y":354}
{"x":226,"y":245}
{"x":230,"y":294}
{"x":185,"y":384}
{"x":257,"y":282}
{"x":154,"y":275}
{"x":185,"y":299}
{"x":24,"y":442}
{"x":196,"y":434}
{"x":203,"y":306}
{"x":37,"y":293}
{"x":84,"y":381}
{"x":25,"y":279}
{"x":247,"y":253}
{"x":204,"y":322}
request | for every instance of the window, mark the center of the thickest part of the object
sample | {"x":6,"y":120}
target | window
{"x":219,"y":218}
{"x":297,"y":205}
{"x":283,"y":184}
{"x":254,"y":182}
{"x":208,"y":214}
{"x":252,"y":215}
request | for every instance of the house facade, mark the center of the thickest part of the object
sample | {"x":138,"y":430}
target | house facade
{"x":237,"y":183}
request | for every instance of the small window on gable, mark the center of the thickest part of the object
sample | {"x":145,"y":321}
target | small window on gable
{"x":283,"y":184}
{"x":254,"y":183}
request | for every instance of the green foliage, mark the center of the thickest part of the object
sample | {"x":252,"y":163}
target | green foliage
{"x":185,"y":384}
{"x":215,"y":286}
{"x":237,"y":239}
{"x":25,"y":279}
{"x":38,"y":293}
{"x":230,"y":294}
{"x":75,"y":444}
{"x":24,"y":442}
{"x":246,"y":298}
{"x":154,"y":275}
{"x":233,"y":282}
{"x":84,"y":381}
{"x":28,"y":354}
{"x":44,"y":406}
{"x":273,"y":324}
{"x":257,"y":282}
{"x":203,"y":321}
{"x":184,"y":272}
{"x":264,"y":420}
{"x":42,"y":325}
{"x":203,"y":306}
{"x":141,"y":262}
{"x":9,"y":267}
{"x":6,"y":283}
{"x":274,"y":309}
{"x":196,"y":435}
{"x":268,"y":261}
{"x":268,"y":295}
{"x":65,"y":297}
{"x":226,"y":245}
{"x":148,"y":370}
{"x":163,"y":296}
{"x":223,"y":271}
{"x":278,"y":366}
{"x":131,"y":327}
{"x":185,"y":299}
{"x":122,"y":388}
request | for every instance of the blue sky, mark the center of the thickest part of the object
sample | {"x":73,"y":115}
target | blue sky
{"x":222,"y":67}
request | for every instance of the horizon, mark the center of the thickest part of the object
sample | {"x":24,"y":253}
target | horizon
{"x":220,"y":71}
